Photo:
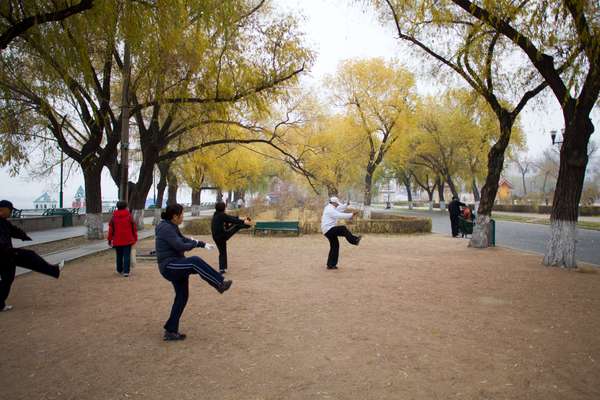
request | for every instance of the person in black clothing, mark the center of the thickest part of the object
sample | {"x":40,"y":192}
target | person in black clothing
{"x":223,"y":227}
{"x":12,"y":257}
{"x":454,"y":211}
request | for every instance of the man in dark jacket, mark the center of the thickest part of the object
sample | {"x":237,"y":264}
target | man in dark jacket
{"x":454,"y":211}
{"x":12,"y":257}
{"x":223,"y":227}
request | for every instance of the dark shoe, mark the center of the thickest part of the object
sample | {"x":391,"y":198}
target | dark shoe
{"x":173,"y":336}
{"x":358,"y":240}
{"x":224,"y":286}
{"x":332,"y":267}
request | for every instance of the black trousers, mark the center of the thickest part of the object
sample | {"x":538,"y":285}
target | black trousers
{"x":221,"y":243}
{"x":178,"y":273}
{"x":23,"y":258}
{"x":123,"y":258}
{"x":334,"y":243}
{"x":454,"y":224}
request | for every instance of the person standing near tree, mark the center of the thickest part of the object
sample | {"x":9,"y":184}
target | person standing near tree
{"x":223,"y":227}
{"x":176,"y":268}
{"x":331,"y":213}
{"x":122,"y":235}
{"x":12,"y":257}
{"x":454,"y":211}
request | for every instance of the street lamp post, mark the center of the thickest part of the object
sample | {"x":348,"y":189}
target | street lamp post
{"x":60,"y":199}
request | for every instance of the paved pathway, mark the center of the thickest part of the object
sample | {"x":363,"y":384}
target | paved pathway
{"x":94,"y":246}
{"x":521,"y":236}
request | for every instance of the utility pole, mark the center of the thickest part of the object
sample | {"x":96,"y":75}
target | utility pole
{"x":60,"y":198}
{"x":123,"y":192}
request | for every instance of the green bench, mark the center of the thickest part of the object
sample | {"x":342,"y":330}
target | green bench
{"x":283,"y":226}
{"x":67,"y":215}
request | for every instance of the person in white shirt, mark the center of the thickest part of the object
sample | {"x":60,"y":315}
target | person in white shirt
{"x":332,"y":212}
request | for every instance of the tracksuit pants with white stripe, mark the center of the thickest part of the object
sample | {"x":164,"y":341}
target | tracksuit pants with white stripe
{"x":178,"y":272}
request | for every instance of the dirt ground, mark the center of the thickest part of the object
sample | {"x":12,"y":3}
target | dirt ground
{"x":405,"y":317}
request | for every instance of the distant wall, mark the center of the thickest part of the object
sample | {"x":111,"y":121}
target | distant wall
{"x":42,"y":223}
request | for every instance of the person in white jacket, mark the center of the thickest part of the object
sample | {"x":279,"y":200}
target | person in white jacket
{"x":332,"y":212}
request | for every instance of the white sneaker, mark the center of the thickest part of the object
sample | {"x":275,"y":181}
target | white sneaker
{"x":7,"y":307}
{"x":61,"y":264}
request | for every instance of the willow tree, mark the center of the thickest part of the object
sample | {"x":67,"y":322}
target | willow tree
{"x":17,"y":17}
{"x":547,"y":33}
{"x":336,"y":152}
{"x":380,"y":97}
{"x":61,"y":76}
{"x":206,"y":65}
{"x":454,"y":39}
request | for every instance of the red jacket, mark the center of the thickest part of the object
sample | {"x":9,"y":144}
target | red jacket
{"x":122,"y":230}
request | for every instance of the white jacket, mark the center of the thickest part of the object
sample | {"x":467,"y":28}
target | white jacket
{"x":330,"y":216}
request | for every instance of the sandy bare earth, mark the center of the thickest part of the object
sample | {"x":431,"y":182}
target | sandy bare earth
{"x":405,"y":317}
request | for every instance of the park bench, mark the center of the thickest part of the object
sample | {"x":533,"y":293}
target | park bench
{"x":67,"y":215}
{"x":283,"y":226}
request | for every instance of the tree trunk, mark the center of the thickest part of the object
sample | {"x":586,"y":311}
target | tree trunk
{"x":173,"y":186}
{"x":475,"y":190}
{"x":368,"y":194}
{"x":560,"y":249}
{"x":524,"y":186}
{"x":452,"y":186}
{"x":93,"y":201}
{"x":480,"y":237}
{"x":163,"y":168}
{"x":196,"y":202}
{"x":440,"y":186}
{"x":138,"y":192}
{"x":219,"y":195}
{"x":406,"y":182}
{"x":545,"y":182}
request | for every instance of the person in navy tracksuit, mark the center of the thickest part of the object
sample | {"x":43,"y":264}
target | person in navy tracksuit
{"x":176,"y":268}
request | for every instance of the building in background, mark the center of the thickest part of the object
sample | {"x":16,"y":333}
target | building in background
{"x":505,"y":189}
{"x":79,"y":201}
{"x":44,"y":202}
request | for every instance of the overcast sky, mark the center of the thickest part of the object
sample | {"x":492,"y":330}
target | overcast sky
{"x":337,"y":30}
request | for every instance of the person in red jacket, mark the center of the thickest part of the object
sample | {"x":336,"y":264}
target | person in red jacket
{"x":122,"y":234}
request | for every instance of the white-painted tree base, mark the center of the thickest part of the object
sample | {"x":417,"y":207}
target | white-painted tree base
{"x":442,"y":205}
{"x":480,"y":238}
{"x":157,"y":212}
{"x":95,"y":226}
{"x":410,"y":205}
{"x":138,"y":217}
{"x":366,"y":212}
{"x":560,"y":249}
{"x":430,"y":204}
{"x":195,"y":211}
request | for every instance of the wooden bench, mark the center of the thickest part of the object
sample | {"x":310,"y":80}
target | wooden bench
{"x":283,"y":226}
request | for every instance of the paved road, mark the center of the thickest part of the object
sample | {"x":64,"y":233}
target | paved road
{"x":522,"y":236}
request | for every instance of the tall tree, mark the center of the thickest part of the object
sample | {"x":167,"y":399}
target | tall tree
{"x":476,"y":54}
{"x":546,"y":33}
{"x":380,"y":96}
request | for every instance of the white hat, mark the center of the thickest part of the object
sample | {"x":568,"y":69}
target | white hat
{"x":334,"y":200}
